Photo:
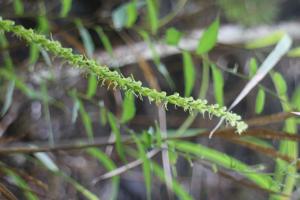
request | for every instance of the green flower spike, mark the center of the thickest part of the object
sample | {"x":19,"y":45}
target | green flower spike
{"x":114,"y":78}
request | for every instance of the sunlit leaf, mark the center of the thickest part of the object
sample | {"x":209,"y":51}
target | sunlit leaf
{"x":260,"y":101}
{"x":86,"y":38}
{"x":173,"y":36}
{"x":152,"y":15}
{"x":218,"y":85}
{"x":116,"y":131}
{"x":189,"y":73}
{"x":209,"y":38}
{"x":128,"y":107}
{"x":66,"y":6}
{"x":265,"y":41}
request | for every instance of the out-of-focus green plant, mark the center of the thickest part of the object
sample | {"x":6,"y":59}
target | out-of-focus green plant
{"x":251,"y":12}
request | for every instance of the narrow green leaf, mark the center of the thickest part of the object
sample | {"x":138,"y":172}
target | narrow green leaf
{"x":86,"y":38}
{"x":18,"y":7}
{"x":296,"y":98}
{"x":116,"y":131}
{"x":8,"y":62}
{"x":109,"y":165}
{"x":295,"y":52}
{"x":92,"y":86}
{"x":22,"y":184}
{"x":260,"y":101}
{"x":43,"y":24}
{"x":224,"y":160}
{"x":34,"y":54}
{"x":128,"y":107}
{"x":19,"y":83}
{"x":218,"y":85}
{"x":8,"y":97}
{"x":87,"y":122}
{"x":131,"y":12}
{"x":189,"y":73}
{"x":152,"y":16}
{"x":204,"y":79}
{"x":176,"y":187}
{"x":105,"y":40}
{"x":173,"y":36}
{"x":252,"y":67}
{"x":85,"y":192}
{"x":209,"y":38}
{"x":265,"y":41}
{"x":280,"y":83}
{"x":66,"y":6}
{"x":146,"y":164}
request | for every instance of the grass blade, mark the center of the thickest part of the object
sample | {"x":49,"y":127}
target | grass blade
{"x":8,"y":97}
{"x":226,"y":161}
{"x":66,"y":6}
{"x":86,"y":38}
{"x":146,"y":164}
{"x":189,"y":73}
{"x":176,"y":187}
{"x":218,"y":85}
{"x":116,"y":131}
{"x":209,"y":38}
{"x":260,"y":101}
{"x":128,"y":107}
{"x":152,"y":16}
{"x":109,"y":165}
{"x":92,"y":86}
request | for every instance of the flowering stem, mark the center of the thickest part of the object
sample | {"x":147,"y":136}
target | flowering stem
{"x":104,"y":74}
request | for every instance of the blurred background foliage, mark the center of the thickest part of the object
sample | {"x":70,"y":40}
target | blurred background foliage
{"x":67,"y":135}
